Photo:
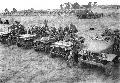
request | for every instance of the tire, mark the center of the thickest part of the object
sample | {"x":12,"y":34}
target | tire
{"x":52,"y":55}
{"x":9,"y":42}
{"x":109,"y":68}
{"x":79,"y":62}
{"x":36,"y":49}
{"x":47,"y":49}
{"x":116,"y":60}
{"x":18,"y":44}
{"x":35,"y":46}
{"x":28,"y":44}
{"x":42,"y":47}
{"x":71,"y":62}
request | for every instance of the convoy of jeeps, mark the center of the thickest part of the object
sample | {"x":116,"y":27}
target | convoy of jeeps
{"x":65,"y":43}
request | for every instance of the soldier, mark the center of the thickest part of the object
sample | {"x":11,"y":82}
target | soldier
{"x":44,"y":31}
{"x":46,"y":23}
{"x":48,"y":30}
{"x":1,"y":22}
{"x":73,"y":57}
{"x":29,"y":31}
{"x":17,"y":28}
{"x":60,"y":29}
{"x":60,"y":33}
{"x":81,"y":39}
{"x":53,"y":31}
{"x":116,"y":35}
{"x":21,"y":29}
{"x":67,"y":37}
{"x":77,"y":47}
{"x":36,"y":30}
{"x":107,"y":32}
{"x":66,"y":29}
{"x":73,"y":28}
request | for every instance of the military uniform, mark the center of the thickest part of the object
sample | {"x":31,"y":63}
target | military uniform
{"x":116,"y":41}
{"x":107,"y":32}
{"x":45,"y":23}
{"x":29,"y":31}
{"x":66,"y":29}
{"x":53,"y":31}
{"x":74,"y":52}
{"x":60,"y":33}
{"x":20,"y":29}
{"x":1,"y":22}
{"x":73,"y":28}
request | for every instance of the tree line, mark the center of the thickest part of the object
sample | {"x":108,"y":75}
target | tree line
{"x":75,"y":5}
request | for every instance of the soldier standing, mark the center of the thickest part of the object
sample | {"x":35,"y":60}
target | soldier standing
{"x":19,"y":28}
{"x":73,"y":28}
{"x":46,"y":23}
{"x":60,"y":33}
{"x":1,"y":22}
{"x":53,"y":31}
{"x":66,"y":29}
{"x":29,"y":31}
{"x":116,"y":40}
{"x":107,"y":32}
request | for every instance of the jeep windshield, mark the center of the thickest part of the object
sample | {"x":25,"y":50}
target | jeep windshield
{"x":26,"y":36}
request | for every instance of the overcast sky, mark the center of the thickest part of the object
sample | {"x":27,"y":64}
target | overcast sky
{"x":46,"y":4}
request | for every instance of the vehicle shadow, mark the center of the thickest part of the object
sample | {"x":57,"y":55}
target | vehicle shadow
{"x":100,"y":71}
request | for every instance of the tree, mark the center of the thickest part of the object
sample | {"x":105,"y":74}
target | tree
{"x":32,"y":9}
{"x":75,"y":6}
{"x":89,"y":4}
{"x":95,"y":4}
{"x":67,"y":5}
{"x":14,"y":10}
{"x":6,"y":10}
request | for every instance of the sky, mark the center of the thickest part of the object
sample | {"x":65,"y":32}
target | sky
{"x":47,"y":4}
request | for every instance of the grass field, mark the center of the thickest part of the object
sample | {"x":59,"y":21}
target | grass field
{"x":27,"y":66}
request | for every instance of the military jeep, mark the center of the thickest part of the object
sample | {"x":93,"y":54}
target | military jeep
{"x":25,"y":41}
{"x":61,"y":49}
{"x":44,"y":43}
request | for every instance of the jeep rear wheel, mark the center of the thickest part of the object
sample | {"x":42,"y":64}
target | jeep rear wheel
{"x":79,"y":61}
{"x":109,"y":67}
{"x":71,"y":62}
{"x":52,"y":55}
{"x":18,"y":44}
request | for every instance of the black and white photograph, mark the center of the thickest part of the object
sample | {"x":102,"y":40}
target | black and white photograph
{"x":60,"y":41}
